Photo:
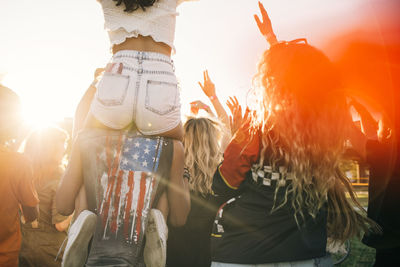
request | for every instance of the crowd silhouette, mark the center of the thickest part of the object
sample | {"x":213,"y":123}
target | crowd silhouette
{"x":131,"y":184}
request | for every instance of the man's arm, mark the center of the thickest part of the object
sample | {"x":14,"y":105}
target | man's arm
{"x":178,"y":189}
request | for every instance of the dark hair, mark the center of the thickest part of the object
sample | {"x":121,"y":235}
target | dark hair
{"x":132,"y":5}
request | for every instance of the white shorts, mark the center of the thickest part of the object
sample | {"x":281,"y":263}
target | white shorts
{"x":139,"y":87}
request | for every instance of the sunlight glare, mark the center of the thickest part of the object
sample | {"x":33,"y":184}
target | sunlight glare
{"x":38,"y":116}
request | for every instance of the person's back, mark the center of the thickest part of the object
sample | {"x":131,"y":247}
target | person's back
{"x":42,"y":239}
{"x":284,"y":192}
{"x":124,"y":175}
{"x":139,"y":84}
{"x":190,"y":245}
{"x":256,"y":224}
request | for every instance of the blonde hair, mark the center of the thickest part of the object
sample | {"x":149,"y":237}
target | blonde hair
{"x":304,"y":122}
{"x":39,"y":146}
{"x":201,"y":142}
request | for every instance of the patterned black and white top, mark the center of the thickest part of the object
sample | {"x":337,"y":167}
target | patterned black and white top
{"x":248,"y":229}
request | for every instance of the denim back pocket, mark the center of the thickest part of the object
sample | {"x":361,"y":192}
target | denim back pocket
{"x":112,"y":89}
{"x":161,"y":97}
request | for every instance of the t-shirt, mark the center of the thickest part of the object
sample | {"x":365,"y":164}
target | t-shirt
{"x":122,"y":171}
{"x":190,"y":245}
{"x":248,"y":231}
{"x":40,"y":245}
{"x":384,"y":194}
{"x":16,"y":188}
{"x":249,"y":228}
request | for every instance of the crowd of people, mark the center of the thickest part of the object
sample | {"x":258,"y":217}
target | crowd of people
{"x":260,"y":187}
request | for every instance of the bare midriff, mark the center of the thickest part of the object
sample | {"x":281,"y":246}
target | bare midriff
{"x":143,"y":43}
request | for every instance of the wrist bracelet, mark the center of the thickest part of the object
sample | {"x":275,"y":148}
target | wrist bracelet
{"x":213,"y":97}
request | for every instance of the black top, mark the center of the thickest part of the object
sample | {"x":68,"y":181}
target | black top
{"x":190,"y":245}
{"x":384,"y":194}
{"x":247,"y":232}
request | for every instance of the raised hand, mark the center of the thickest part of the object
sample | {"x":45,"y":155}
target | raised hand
{"x":369,"y":125}
{"x":236,"y":120}
{"x":233,"y":103}
{"x":265,"y":25}
{"x":208,"y":86}
{"x":195,"y":106}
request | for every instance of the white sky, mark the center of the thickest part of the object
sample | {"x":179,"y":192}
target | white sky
{"x":50,"y":49}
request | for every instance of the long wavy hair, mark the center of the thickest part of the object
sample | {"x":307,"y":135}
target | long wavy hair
{"x":304,"y":120}
{"x":132,"y":5}
{"x":41,"y":146}
{"x":201,"y":142}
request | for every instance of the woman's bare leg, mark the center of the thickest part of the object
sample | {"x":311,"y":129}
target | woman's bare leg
{"x":176,"y":133}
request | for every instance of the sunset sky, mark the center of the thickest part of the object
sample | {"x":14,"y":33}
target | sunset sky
{"x":50,"y":49}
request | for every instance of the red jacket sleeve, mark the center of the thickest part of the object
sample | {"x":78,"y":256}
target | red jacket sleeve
{"x":239,"y":156}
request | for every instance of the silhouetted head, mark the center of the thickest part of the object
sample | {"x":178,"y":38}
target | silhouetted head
{"x":10,"y":114}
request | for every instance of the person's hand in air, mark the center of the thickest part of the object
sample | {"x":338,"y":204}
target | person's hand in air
{"x":208,"y":86}
{"x":195,"y":106}
{"x":236,"y":119}
{"x":265,"y":26}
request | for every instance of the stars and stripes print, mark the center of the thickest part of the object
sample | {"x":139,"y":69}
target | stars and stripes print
{"x":127,"y":185}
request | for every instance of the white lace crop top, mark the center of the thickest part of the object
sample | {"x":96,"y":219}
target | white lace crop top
{"x":158,"y":21}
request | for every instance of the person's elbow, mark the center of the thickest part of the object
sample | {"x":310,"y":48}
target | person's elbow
{"x":30,"y":213}
{"x":64,"y":210}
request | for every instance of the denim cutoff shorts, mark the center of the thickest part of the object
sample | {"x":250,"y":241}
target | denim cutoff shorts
{"x":325,"y":261}
{"x":139,"y":87}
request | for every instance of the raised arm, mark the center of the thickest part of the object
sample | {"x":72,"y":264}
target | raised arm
{"x":368,"y":124}
{"x":208,"y":88}
{"x":265,"y":25}
{"x":196,"y":105}
{"x":236,"y":119}
{"x":84,"y":104}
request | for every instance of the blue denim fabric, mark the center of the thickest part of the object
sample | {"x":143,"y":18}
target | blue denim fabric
{"x":318,"y":262}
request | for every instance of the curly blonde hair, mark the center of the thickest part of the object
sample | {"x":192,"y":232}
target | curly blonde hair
{"x":202,"y":151}
{"x":304,"y":121}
